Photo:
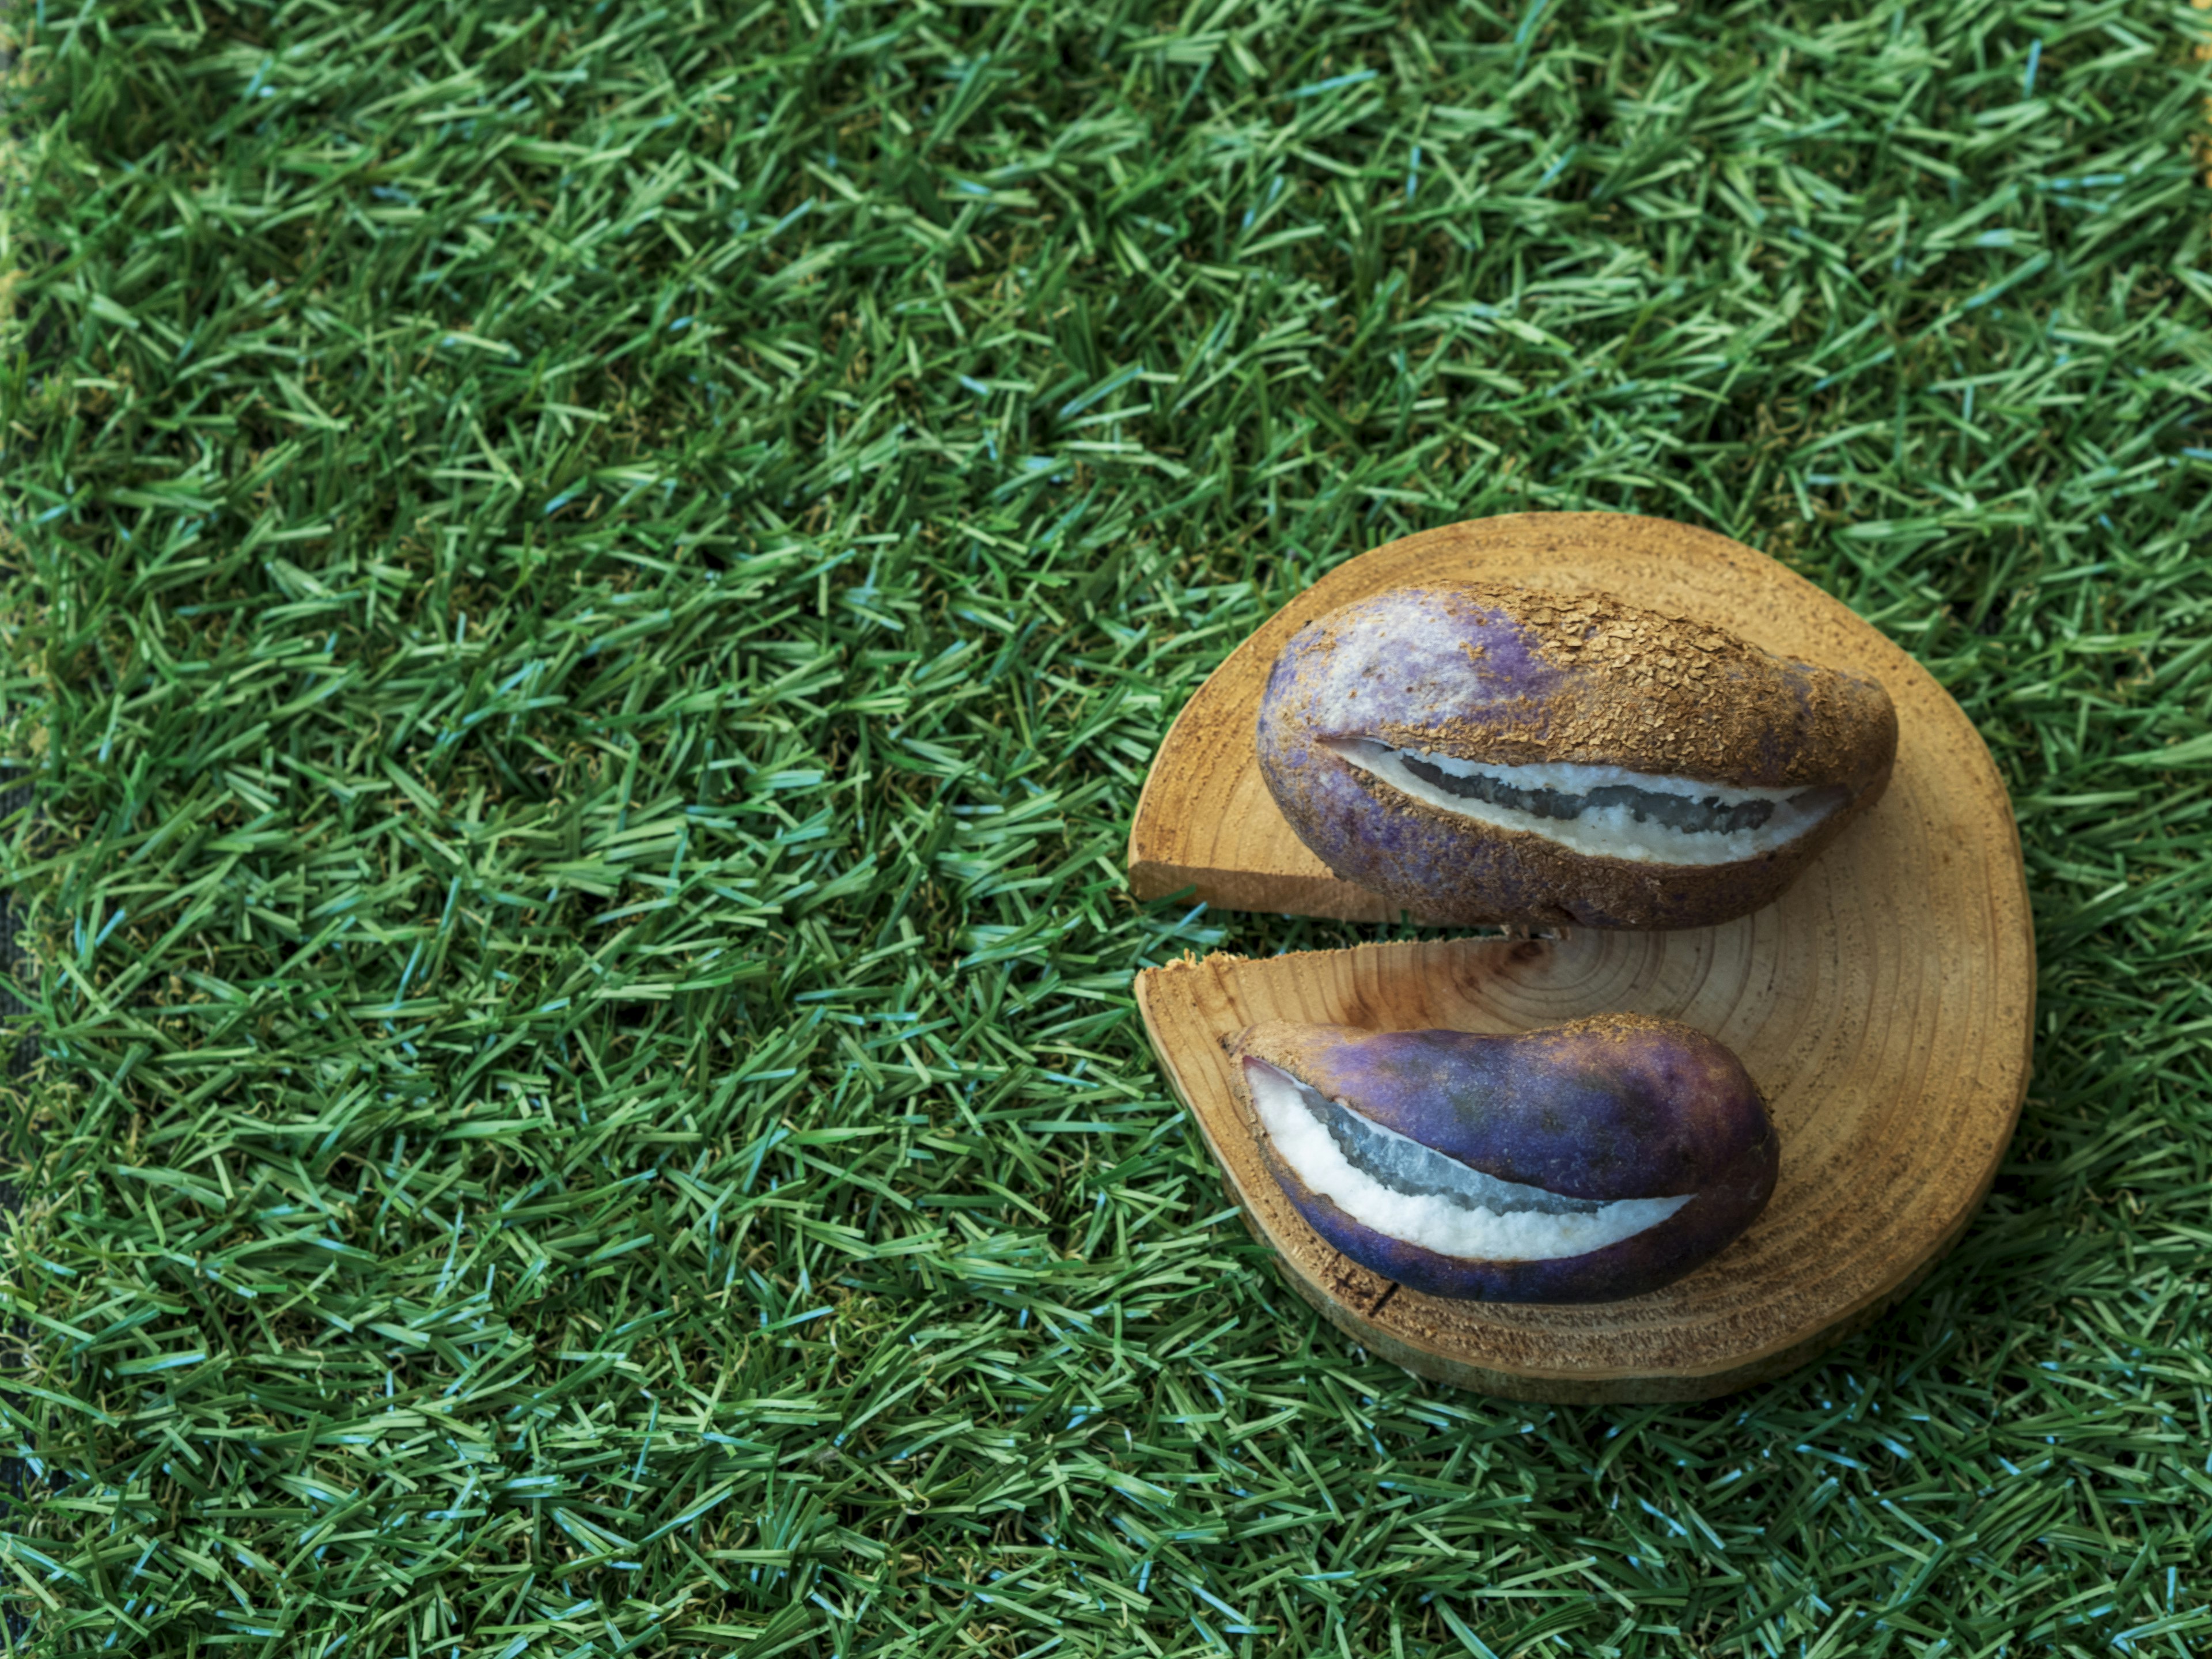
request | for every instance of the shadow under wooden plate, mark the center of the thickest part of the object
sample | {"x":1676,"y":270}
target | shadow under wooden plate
{"x":1884,"y":1004}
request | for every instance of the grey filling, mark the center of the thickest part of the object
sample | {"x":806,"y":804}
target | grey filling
{"x":1406,"y":1166}
{"x":1647,"y":805}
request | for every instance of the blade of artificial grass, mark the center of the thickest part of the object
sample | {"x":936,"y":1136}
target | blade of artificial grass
{"x":599,"y":586}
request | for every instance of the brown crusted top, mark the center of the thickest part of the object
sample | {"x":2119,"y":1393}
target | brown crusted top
{"x":1614,"y":684}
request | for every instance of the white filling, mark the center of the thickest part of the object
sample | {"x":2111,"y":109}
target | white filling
{"x":1494,"y":1220}
{"x":1601,"y":831}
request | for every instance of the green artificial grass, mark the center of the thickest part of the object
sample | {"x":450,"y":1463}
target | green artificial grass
{"x":595,"y":586}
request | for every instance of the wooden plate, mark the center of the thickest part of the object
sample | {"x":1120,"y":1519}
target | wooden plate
{"x":1885,"y":1003}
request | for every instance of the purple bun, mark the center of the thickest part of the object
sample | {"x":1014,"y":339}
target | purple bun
{"x":1754,"y":764}
{"x":1580,"y":1117}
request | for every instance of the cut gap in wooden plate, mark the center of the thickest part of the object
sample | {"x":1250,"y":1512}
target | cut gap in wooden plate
{"x":1884,"y":1004}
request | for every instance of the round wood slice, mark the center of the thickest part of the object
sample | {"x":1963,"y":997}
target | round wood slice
{"x":1884,"y":1004}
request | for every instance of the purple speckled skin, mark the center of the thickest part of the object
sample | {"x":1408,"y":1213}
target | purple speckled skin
{"x":1455,"y":670}
{"x":1614,"y":1108}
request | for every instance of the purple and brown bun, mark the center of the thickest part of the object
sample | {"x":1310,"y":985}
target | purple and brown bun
{"x":1493,"y":754}
{"x":1582,"y":1163}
